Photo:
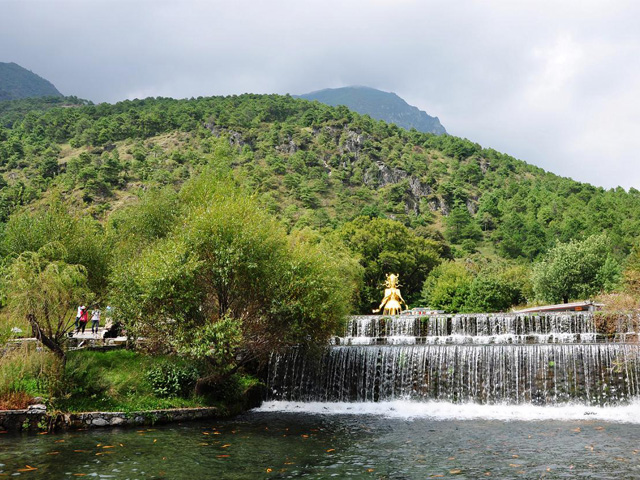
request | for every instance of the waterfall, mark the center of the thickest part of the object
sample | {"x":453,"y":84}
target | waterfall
{"x":502,"y":358}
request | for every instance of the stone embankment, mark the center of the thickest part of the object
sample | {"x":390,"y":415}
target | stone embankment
{"x":36,"y":418}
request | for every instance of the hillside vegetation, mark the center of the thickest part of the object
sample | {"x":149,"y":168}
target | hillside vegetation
{"x":317,"y":167}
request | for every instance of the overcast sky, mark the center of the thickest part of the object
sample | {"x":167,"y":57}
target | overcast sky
{"x":555,"y":83}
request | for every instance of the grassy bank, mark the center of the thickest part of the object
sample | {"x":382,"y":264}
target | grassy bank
{"x":118,"y":380}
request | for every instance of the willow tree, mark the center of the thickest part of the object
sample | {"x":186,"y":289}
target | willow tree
{"x":45,"y":291}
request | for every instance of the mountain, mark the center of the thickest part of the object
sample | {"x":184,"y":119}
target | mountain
{"x":380,"y":105}
{"x":17,"y":82}
{"x":311,"y":165}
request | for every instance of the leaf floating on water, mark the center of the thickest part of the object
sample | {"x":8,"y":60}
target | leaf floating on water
{"x":451,"y":458}
{"x":27,"y":468}
{"x":53,"y":453}
{"x":371,"y":470}
{"x":269,"y":470}
{"x":155,"y":440}
{"x":331,"y":450}
{"x":108,"y":446}
{"x":515,"y":465}
{"x":455,"y":471}
{"x":223,"y":456}
{"x":487,"y":474}
{"x":577,"y":430}
{"x":589,"y":447}
{"x":59,"y":441}
{"x":226,"y":445}
{"x":515,"y":456}
{"x":79,"y":474}
{"x":304,"y":436}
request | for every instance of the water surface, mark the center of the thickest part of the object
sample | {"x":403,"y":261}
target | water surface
{"x":285,"y":440}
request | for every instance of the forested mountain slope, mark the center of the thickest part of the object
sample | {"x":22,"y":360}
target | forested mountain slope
{"x":380,"y":105}
{"x":310,"y":164}
{"x":18,"y":82}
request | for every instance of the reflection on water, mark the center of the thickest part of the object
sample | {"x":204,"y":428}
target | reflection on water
{"x":285,"y":444}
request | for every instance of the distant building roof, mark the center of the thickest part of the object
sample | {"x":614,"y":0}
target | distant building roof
{"x":584,"y":306}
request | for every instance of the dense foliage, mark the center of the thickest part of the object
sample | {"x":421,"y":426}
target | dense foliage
{"x":397,"y":200}
{"x":578,"y":269}
{"x":226,"y":283}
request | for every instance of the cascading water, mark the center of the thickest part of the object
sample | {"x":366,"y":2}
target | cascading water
{"x":502,"y":358}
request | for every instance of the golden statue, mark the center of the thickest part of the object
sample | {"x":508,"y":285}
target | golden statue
{"x":392,"y":297}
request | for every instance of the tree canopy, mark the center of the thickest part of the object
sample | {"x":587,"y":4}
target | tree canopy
{"x":576,"y":270}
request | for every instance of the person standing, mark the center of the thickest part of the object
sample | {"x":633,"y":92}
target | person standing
{"x":95,"y":321}
{"x":78,"y":315}
{"x":84,"y":319}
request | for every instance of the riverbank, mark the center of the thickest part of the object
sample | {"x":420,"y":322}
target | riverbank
{"x":117,"y":387}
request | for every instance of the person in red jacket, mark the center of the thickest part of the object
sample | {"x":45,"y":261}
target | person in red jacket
{"x":84,"y":319}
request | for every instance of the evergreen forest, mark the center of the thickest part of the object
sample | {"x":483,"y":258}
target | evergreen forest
{"x":466,"y":227}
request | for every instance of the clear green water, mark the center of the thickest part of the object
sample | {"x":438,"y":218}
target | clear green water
{"x":304,"y":445}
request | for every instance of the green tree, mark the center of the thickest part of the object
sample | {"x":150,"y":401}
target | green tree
{"x":45,"y":290}
{"x":491,"y":292}
{"x":576,"y":270}
{"x":447,"y":287}
{"x":228,"y":284}
{"x":386,"y":246}
{"x":461,"y":225}
{"x":83,"y":239}
{"x":631,"y":273}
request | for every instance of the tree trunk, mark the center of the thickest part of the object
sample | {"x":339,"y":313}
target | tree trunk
{"x":46,"y":340}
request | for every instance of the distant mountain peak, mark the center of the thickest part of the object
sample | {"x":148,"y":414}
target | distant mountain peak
{"x":386,"y":106}
{"x":17,"y":82}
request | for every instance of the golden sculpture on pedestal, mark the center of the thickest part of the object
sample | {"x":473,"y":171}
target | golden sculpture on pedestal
{"x":392,"y":298}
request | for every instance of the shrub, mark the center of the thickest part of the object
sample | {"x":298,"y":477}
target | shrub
{"x":171,"y":379}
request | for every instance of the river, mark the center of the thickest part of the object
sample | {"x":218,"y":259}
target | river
{"x":387,"y":440}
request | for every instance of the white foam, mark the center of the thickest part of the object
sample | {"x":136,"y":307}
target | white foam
{"x":403,"y":409}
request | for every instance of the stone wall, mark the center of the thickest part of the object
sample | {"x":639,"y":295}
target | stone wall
{"x":37,"y":418}
{"x":30,"y":419}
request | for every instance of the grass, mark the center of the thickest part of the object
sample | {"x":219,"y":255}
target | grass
{"x":116,"y":380}
{"x":24,"y":374}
